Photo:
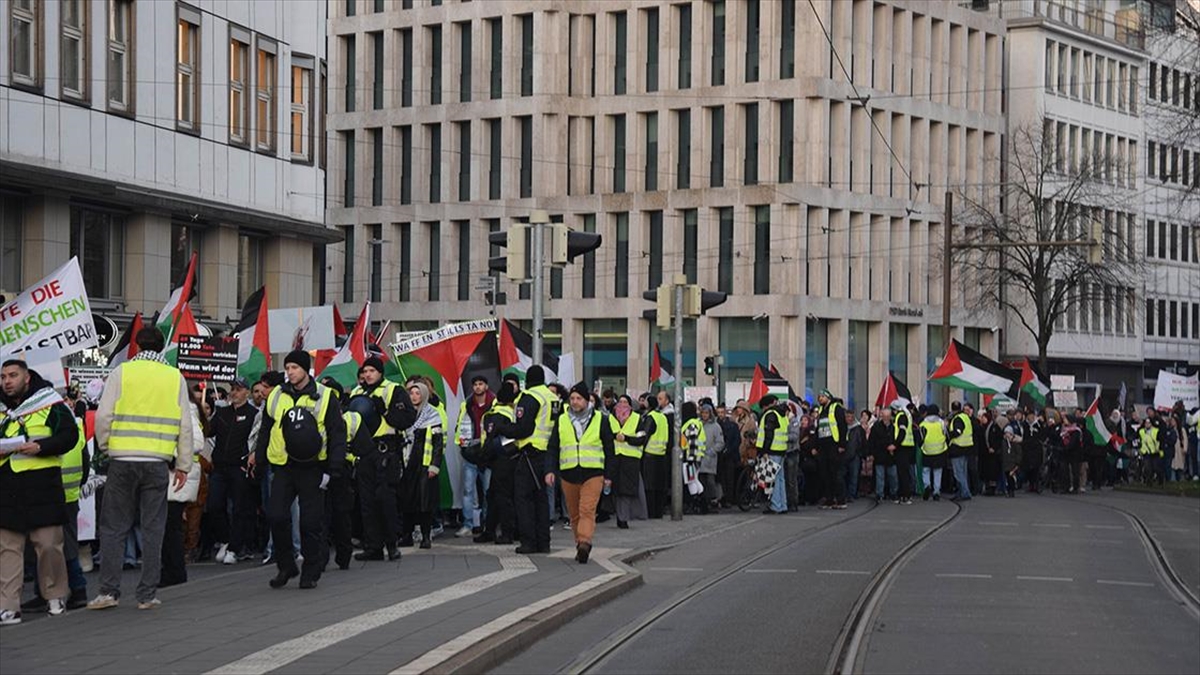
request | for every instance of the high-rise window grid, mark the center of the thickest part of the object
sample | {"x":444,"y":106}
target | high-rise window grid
{"x":651,"y":168}
{"x":652,"y":49}
{"x":73,"y":49}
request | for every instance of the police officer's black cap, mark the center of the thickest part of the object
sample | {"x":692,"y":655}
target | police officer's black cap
{"x":507,"y":393}
{"x":372,"y":362}
{"x":300,"y":358}
{"x":535,"y":376}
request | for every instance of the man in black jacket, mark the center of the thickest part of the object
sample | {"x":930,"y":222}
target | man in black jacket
{"x":831,"y":440}
{"x":536,"y":409}
{"x":229,"y":487}
{"x":32,"y":505}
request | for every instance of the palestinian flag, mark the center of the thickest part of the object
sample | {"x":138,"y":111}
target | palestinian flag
{"x":894,"y":393}
{"x":323,"y":356}
{"x":998,"y":402}
{"x":1096,"y":427}
{"x":254,"y":344}
{"x":1034,"y":385}
{"x":169,"y":317}
{"x":966,"y":369}
{"x":344,"y":365}
{"x":184,"y":325}
{"x":660,"y":369}
{"x":516,"y":355}
{"x":766,"y":381}
{"x":451,"y":356}
{"x":127,"y":346}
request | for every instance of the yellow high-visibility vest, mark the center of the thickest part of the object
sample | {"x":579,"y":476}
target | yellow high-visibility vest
{"x":904,"y":427}
{"x":543,"y":426}
{"x":935,"y":437}
{"x":502,"y":410}
{"x":384,"y":392}
{"x":586,"y":452}
{"x":967,"y":438}
{"x":147,"y":416}
{"x":827,"y":424}
{"x":624,"y":448}
{"x":36,"y":429}
{"x":657,"y":445}
{"x":72,"y":467}
{"x":779,"y":439}
{"x":701,"y":445}
{"x":1150,"y":444}
{"x":278,"y":403}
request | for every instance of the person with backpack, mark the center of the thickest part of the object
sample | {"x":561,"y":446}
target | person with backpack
{"x":303,"y":439}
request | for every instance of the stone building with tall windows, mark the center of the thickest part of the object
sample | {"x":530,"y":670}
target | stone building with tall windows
{"x":792,"y":155}
{"x":136,"y":132}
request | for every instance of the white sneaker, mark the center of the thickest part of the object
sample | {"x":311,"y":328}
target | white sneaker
{"x":103,"y":601}
{"x":229,"y":558}
{"x":222,"y":550}
{"x":436,"y":531}
{"x":9,"y":618}
{"x":463,"y":531}
{"x":152,"y":603}
{"x":57,"y":607}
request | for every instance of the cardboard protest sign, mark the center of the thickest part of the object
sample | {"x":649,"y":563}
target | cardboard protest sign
{"x":54,"y":312}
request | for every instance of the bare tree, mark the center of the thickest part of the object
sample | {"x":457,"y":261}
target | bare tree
{"x":1053,"y":238}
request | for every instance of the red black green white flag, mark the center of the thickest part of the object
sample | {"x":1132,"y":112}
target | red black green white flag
{"x":516,"y":355}
{"x":894,"y":393}
{"x":660,"y":369}
{"x":172,"y":313}
{"x":767,"y":380}
{"x":254,"y":343}
{"x":126,"y":347}
{"x":344,"y":365}
{"x":1097,"y":428}
{"x":966,"y":369}
{"x":1034,"y":385}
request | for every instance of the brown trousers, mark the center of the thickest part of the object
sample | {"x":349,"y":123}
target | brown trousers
{"x":582,"y":500}
{"x":51,"y":566}
{"x":194,"y":511}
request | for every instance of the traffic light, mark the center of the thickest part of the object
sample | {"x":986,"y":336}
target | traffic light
{"x":511,"y":264}
{"x":661,"y":297}
{"x":566,"y":244}
{"x":709,"y":364}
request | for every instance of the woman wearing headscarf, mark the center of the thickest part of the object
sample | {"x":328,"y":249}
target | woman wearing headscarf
{"x":628,"y":489}
{"x":581,"y":454}
{"x":708,"y":465}
{"x":419,"y":489}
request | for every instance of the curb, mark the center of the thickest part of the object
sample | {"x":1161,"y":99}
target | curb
{"x":495,"y":650}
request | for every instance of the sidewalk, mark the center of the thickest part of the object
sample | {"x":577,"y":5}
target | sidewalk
{"x":456,"y":605}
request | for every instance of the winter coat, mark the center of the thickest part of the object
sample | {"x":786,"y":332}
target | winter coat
{"x":33,"y":499}
{"x":716,"y":446}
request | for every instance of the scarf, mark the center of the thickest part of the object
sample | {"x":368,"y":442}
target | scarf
{"x":580,"y":419}
{"x":622,"y":411}
{"x":39,"y":400}
{"x":148,"y":355}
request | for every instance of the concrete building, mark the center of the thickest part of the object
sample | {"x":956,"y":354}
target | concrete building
{"x":134,"y":132}
{"x":1107,"y":79}
{"x":793,"y":157}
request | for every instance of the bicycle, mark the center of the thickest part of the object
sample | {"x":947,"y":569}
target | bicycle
{"x":751,"y":494}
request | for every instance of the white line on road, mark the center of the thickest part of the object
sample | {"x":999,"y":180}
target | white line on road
{"x":1105,"y":527}
{"x":854,"y":572}
{"x":953,"y":575}
{"x":452,"y":648}
{"x":1066,"y":579}
{"x":1052,"y":525}
{"x":676,"y":569}
{"x":993,"y":523}
{"x":769,"y":571}
{"x":1111,"y":582}
{"x":289,"y":651}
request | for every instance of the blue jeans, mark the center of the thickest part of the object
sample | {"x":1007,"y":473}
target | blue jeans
{"x":888,"y":475}
{"x":474,"y":508}
{"x":779,"y":492}
{"x":853,"y":466}
{"x":959,"y":464}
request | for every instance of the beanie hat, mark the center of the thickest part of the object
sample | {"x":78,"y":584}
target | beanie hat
{"x":300,"y":358}
{"x":535,"y":376}
{"x":372,"y":362}
{"x":507,"y":393}
{"x":581,"y":389}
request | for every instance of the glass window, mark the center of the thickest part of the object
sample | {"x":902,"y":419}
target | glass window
{"x":725,"y":261}
{"x":716,"y":144}
{"x":24,"y":42}
{"x":434,"y":133}
{"x":435,"y":65}
{"x":744,"y":343}
{"x":494,"y":162}
{"x":858,"y":356}
{"x":589,"y":260}
{"x":496,"y":71}
{"x":718,"y":43}
{"x":651,"y":168}
{"x":350,"y":44}
{"x":685,"y":46}
{"x":750,"y":165}
{"x":302,"y":113}
{"x":250,"y":265}
{"x":406,"y":164}
{"x":752,"y":37}
{"x":787,"y":133}
{"x":405,"y":262}
{"x":652,"y":49}
{"x":348,"y":188}
{"x":464,"y":61}
{"x":691,"y":244}
{"x":376,"y":168}
{"x":464,"y":160}
{"x":11,"y":238}
{"x":435,"y":261}
{"x":605,"y":352}
{"x":526,"y":54}
{"x":348,"y":263}
{"x":377,"y":65}
{"x":618,"y":153}
{"x":98,"y":240}
{"x":683,"y":162}
{"x":621,"y":277}
{"x":526,"y":124}
{"x":239,"y":89}
{"x":464,"y":259}
{"x":406,"y":68}
{"x":350,"y":7}
{"x":187,"y":71}
{"x":621,"y":52}
{"x":73,"y":49}
{"x":787,"y":46}
{"x":655,"y":232}
{"x":898,"y":350}
{"x":762,"y":250}
{"x":264,"y":89}
{"x":184,"y":242}
{"x":119,"y":68}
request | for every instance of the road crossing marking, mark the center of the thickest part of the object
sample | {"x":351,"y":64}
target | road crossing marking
{"x":854,"y":572}
{"x":459,"y":644}
{"x":955,"y":575}
{"x":1112,"y":582}
{"x":1064,"y":579}
{"x":1105,"y":527}
{"x":676,"y":569}
{"x":993,"y":523}
{"x":1051,"y":525}
{"x":770,"y":571}
{"x":289,"y":651}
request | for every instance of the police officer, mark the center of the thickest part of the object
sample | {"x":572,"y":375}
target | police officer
{"x":303,"y":438}
{"x":656,"y":466}
{"x":905,"y":438}
{"x":536,"y":409}
{"x":499,"y":427}
{"x":339,"y":494}
{"x":933,"y":452}
{"x":962,"y":441}
{"x":32,"y":505}
{"x":378,"y":468}
{"x":831,"y":442}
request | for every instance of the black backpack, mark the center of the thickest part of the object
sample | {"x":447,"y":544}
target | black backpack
{"x":301,"y":435}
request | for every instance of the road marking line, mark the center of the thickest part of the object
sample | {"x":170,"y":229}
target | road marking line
{"x":1105,"y":527}
{"x":953,"y":575}
{"x":805,"y":518}
{"x":1051,"y":525}
{"x":676,"y":569}
{"x":1111,"y":582}
{"x":770,"y":571}
{"x":854,"y":572}
{"x":289,"y":651}
{"x":992,"y":523}
{"x":452,"y":648}
{"x":1024,"y":578}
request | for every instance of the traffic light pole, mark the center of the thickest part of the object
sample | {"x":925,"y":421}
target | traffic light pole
{"x":537,"y":222}
{"x":677,"y":450}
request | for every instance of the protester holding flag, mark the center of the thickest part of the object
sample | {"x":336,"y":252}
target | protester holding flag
{"x":32,"y":502}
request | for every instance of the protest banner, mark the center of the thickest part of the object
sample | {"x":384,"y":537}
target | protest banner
{"x":207,"y":358}
{"x":306,"y":328}
{"x":1172,"y":387}
{"x":47,"y":363}
{"x":53,"y":312}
